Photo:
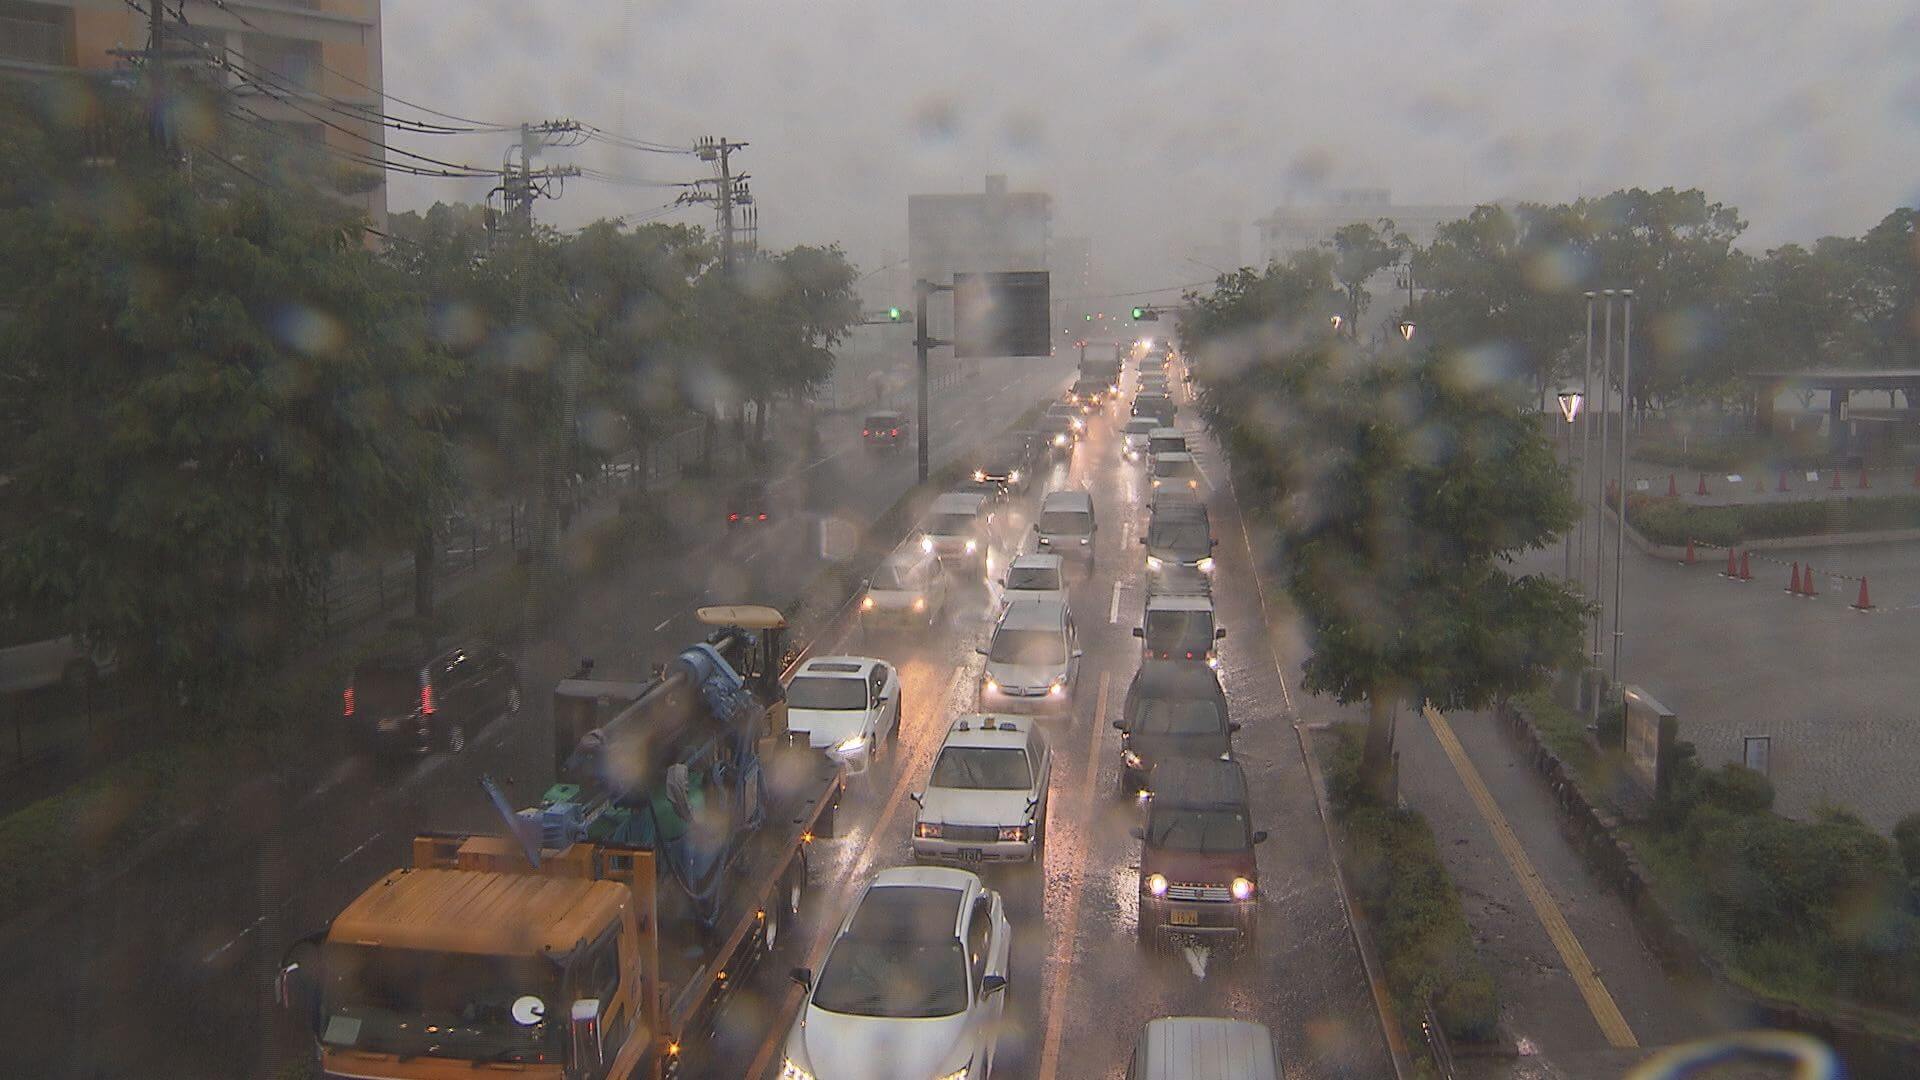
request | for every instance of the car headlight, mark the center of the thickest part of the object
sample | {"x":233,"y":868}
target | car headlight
{"x":1060,"y":440}
{"x":791,"y":1071}
{"x":1014,"y":833}
{"x":989,"y":685}
{"x":1242,"y":888}
{"x":1156,"y":481}
{"x":927,"y":830}
{"x":1154,"y":563}
{"x":972,"y":546}
{"x":979,"y":476}
{"x":926,"y":544}
{"x":1059,"y":688}
{"x":957,"y":1074}
{"x":919,"y":603}
{"x":851,"y":743}
{"x":1085,"y":540}
{"x":1157,"y":884}
{"x":1013,"y":477}
{"x":1079,"y":424}
{"x":1205,"y":565}
{"x":1132,"y":759}
{"x":866,"y":603}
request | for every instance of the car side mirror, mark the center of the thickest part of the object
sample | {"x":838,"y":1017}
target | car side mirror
{"x":802,"y":976}
{"x":1260,"y":836}
{"x":1139,"y":632}
{"x":1143,"y":541}
{"x":1119,"y":725}
{"x":1213,"y":543}
{"x":1233,"y":726}
{"x":1078,"y":653}
{"x":1137,"y":833}
{"x":1220,"y":633}
{"x":883,"y":699}
{"x":1033,"y":801}
{"x":916,"y":796}
{"x":992,"y":985}
{"x":981,"y":649}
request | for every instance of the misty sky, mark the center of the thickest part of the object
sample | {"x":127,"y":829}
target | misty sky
{"x":1152,"y":124}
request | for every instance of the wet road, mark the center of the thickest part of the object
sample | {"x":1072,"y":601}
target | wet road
{"x":1080,"y":988}
{"x":165,"y":970}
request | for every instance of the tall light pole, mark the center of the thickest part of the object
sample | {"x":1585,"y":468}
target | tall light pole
{"x":1620,"y":539}
{"x":1586,"y":433}
{"x":1600,"y":496}
{"x":1570,"y":401}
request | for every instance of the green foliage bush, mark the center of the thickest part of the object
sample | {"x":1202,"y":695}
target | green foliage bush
{"x":1669,"y":521}
{"x":1401,"y":884}
{"x":1906,"y":837}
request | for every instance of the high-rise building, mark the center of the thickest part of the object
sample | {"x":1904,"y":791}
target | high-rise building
{"x":995,"y":229}
{"x":1072,"y":284}
{"x":313,"y":62}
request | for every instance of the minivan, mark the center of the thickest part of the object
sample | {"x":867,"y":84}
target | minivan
{"x":412,"y":702}
{"x":1203,"y":1048}
{"x":1199,"y":880}
{"x":1066,"y":526}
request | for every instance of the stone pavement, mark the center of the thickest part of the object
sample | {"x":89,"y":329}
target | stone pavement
{"x":1580,"y":995}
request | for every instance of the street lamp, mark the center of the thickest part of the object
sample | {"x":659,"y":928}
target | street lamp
{"x":1406,"y":330}
{"x":1336,"y":321}
{"x":1570,"y":402}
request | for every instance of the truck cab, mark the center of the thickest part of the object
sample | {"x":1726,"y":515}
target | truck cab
{"x":1198,"y":876}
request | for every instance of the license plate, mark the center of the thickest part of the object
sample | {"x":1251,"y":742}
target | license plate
{"x":970,"y":854}
{"x":389,"y":725}
{"x":1183,"y":918}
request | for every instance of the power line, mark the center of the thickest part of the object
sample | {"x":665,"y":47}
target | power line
{"x":1135,"y":292}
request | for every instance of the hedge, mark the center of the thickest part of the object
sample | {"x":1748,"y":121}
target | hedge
{"x":1669,"y":521}
{"x":1414,"y":909}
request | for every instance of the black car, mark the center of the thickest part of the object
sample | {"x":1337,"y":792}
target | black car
{"x":416,"y":703}
{"x":750,"y":503}
{"x":1007,"y":467}
{"x":884,"y":431}
{"x":1058,"y":435}
{"x":1174,"y":709}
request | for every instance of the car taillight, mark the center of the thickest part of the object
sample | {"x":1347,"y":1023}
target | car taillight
{"x":346,"y":702}
{"x":733,"y":517}
{"x":763,"y":517}
{"x":866,"y":431}
{"x":895,"y":431}
{"x":426,"y":695}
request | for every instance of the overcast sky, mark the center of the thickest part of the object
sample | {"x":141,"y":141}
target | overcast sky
{"x":1153,"y":124}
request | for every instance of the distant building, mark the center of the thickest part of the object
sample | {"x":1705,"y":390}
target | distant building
{"x":1305,"y":226}
{"x":995,"y":229}
{"x":321,"y":59}
{"x":1072,"y":284}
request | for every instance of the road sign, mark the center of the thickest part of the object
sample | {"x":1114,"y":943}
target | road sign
{"x":1002,"y":314}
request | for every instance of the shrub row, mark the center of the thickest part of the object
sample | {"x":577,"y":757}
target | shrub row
{"x":1400,"y":883}
{"x":1668,"y":521}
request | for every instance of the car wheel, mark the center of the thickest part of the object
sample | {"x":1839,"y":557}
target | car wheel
{"x":893,"y":733}
{"x":456,"y":736}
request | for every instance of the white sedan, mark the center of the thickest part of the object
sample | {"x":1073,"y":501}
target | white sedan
{"x":913,"y":987}
{"x":845,"y":706}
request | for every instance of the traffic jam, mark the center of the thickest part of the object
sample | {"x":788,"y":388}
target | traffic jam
{"x":832,"y":867}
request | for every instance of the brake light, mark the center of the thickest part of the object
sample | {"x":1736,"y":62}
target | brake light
{"x":763,"y":517}
{"x":426,"y":695}
{"x":346,"y":701}
{"x":895,"y":431}
{"x":866,"y":431}
{"x":1189,"y":656}
{"x":733,"y":517}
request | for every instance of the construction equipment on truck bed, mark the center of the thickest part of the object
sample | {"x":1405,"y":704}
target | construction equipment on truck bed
{"x":600,"y":937}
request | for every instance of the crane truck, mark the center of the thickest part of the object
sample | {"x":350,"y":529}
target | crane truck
{"x":601,"y":933}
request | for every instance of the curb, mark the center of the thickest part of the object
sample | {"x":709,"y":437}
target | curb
{"x":1594,"y":833}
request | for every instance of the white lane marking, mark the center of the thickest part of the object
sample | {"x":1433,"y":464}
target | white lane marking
{"x":232,"y":941}
{"x":1113,"y":609}
{"x":664,"y":623}
{"x":824,"y":460}
{"x":364,"y":844}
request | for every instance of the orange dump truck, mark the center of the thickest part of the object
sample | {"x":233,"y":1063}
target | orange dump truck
{"x":601,"y":934}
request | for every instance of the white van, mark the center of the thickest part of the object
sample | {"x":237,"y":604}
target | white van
{"x":1203,"y":1048}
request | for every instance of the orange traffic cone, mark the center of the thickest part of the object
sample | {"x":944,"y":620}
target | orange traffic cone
{"x":1835,"y":486}
{"x":1746,"y":566}
{"x":1783,"y":479}
{"x":1863,"y":604}
{"x":1673,"y":489}
{"x":1807,"y":587}
{"x":1864,"y":485}
{"x":1733,"y":568}
{"x":1759,"y":484}
{"x":1702,"y":489}
{"x":1916,"y":476}
{"x":1689,"y":553}
{"x":1793,"y":584}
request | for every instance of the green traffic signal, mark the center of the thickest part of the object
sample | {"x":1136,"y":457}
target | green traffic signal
{"x":893,"y":313}
{"x":1089,"y":318}
{"x":1139,"y":313}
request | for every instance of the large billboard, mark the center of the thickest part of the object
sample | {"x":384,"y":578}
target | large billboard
{"x":1002,"y":314}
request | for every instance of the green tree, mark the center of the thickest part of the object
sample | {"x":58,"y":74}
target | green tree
{"x":214,"y":392}
{"x":1361,"y":250}
{"x":1888,"y":262}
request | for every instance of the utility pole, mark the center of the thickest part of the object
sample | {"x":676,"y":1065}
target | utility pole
{"x":157,"y":70}
{"x":729,"y":191}
{"x":923,"y":343}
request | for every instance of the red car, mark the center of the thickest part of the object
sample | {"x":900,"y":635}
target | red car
{"x":884,"y":431}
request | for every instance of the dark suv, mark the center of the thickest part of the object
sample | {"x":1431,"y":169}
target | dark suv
{"x":1198,"y":876}
{"x":1174,"y":709}
{"x":407,"y":703}
{"x":884,"y":431}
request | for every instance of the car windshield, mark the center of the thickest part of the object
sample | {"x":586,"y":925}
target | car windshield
{"x":826,"y":692}
{"x":1157,"y":716}
{"x":887,"y":978}
{"x":882,"y":423}
{"x":437,"y":1004}
{"x":1140,"y":426}
{"x":1179,"y":631}
{"x":951,"y":524}
{"x":891,"y":576}
{"x":1167,"y":444}
{"x":1065,"y":523}
{"x":1197,"y":830}
{"x":1039,"y":578}
{"x":1179,"y":533}
{"x":1173,"y":467}
{"x":984,"y":768}
{"x":1028,"y":648}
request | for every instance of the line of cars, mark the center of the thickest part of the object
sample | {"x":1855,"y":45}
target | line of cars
{"x":914,"y":982}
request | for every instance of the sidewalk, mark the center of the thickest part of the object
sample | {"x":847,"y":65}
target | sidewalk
{"x":1580,"y":995}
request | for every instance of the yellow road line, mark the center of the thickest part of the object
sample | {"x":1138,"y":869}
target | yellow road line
{"x":1063,"y":941}
{"x":1607,"y":1014}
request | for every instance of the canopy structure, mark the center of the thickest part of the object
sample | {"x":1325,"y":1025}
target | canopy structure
{"x":1849,"y":432}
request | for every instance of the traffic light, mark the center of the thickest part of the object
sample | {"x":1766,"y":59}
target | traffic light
{"x":1089,"y":317}
{"x":1139,"y":313}
{"x":894,"y":314}
{"x":1146,"y":314}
